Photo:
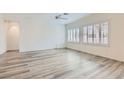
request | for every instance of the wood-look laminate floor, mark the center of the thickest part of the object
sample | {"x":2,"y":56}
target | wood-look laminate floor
{"x":58,"y":64}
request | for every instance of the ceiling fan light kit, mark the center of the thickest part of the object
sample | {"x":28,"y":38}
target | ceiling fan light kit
{"x":60,"y":16}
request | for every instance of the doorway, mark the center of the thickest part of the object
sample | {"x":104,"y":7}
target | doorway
{"x":13,"y":35}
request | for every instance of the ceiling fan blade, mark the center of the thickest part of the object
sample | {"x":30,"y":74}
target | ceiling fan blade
{"x":65,"y":13}
{"x":64,"y":18}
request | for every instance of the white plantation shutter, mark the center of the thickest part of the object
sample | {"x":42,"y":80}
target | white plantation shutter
{"x":74,"y":35}
{"x":68,"y":36}
{"x":71,"y":35}
{"x":90,"y":34}
{"x":85,"y":34}
{"x":96,"y":33}
{"x":104,"y":33}
{"x":77,"y":35}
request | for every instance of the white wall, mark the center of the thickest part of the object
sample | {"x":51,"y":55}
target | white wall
{"x":2,"y":36}
{"x":38,"y":31}
{"x":115,"y":50}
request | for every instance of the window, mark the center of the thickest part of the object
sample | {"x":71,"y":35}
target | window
{"x":104,"y":33}
{"x":77,"y":35}
{"x":68,"y":36}
{"x":90,"y":34}
{"x":74,"y":35}
{"x":85,"y":34}
{"x":71,"y":36}
{"x":96,"y":33}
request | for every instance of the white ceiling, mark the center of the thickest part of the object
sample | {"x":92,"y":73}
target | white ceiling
{"x":71,"y":17}
{"x":49,"y":16}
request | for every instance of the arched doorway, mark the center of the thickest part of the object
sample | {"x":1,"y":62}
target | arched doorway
{"x":13,"y":35}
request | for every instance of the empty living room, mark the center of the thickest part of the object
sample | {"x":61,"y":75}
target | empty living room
{"x":61,"y":46}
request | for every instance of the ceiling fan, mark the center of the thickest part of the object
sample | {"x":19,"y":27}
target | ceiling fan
{"x":60,"y":16}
